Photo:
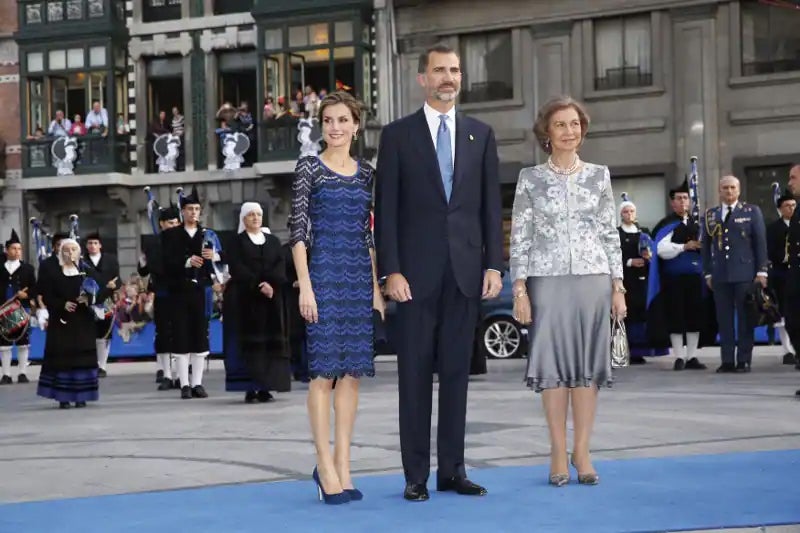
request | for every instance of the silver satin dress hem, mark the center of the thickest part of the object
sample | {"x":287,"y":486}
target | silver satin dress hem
{"x":570,"y":338}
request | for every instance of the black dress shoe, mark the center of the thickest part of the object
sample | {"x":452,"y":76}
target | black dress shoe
{"x":80,"y":404}
{"x":695,"y":364}
{"x":638,"y":360}
{"x":101,"y":373}
{"x":64,"y":405}
{"x":250,"y":396}
{"x":264,"y":396}
{"x":199,"y":392}
{"x":461,"y":485}
{"x":166,"y":384}
{"x":22,"y":378}
{"x":788,"y":358}
{"x":6,"y":380}
{"x":726,"y":368}
{"x":416,"y":492}
{"x":159,"y":376}
{"x":679,"y":364}
{"x":743,"y":367}
{"x":186,"y":393}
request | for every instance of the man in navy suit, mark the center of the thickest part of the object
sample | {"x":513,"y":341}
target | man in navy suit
{"x":438,"y":227}
{"x":734,"y":256}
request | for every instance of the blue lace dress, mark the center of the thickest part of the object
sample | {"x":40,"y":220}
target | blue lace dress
{"x":331,"y":215}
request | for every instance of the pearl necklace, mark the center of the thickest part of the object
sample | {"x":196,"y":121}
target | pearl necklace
{"x":564,"y":171}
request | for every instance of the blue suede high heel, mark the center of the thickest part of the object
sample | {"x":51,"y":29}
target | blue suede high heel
{"x":355,"y":494}
{"x":330,"y":499}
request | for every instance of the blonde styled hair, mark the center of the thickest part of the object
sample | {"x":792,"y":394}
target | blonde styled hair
{"x":542,"y":122}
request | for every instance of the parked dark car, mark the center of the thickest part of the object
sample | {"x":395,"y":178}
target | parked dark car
{"x":497,"y":334}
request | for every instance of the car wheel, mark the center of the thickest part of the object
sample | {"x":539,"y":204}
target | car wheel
{"x":501,"y":338}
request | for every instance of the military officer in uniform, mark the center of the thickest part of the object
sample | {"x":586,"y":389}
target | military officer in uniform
{"x":105,"y":270}
{"x":151,"y":264}
{"x":791,"y":300}
{"x":734,"y":256}
{"x":776,"y":252}
{"x":19,"y":280}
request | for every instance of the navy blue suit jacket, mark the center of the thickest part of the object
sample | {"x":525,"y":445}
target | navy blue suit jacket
{"x":416,"y":229}
{"x":734,"y":252}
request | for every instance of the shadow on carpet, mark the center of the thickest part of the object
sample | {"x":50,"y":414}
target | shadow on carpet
{"x":636,"y":495}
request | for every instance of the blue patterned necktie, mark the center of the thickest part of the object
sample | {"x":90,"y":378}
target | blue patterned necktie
{"x":444,"y":153}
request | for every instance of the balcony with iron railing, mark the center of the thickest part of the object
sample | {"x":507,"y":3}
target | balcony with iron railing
{"x":93,"y":155}
{"x":228,"y":7}
{"x":40,"y":18}
{"x":623,"y":78}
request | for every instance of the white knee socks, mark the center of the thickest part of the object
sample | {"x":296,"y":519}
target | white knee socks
{"x":692,"y":341}
{"x":102,"y":353}
{"x":164,"y":364}
{"x":22,"y":359}
{"x":5,"y":357}
{"x":677,"y":345}
{"x":198,"y":367}
{"x":785,"y":341}
{"x":182,"y":366}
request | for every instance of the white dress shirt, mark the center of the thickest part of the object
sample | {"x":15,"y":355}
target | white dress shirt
{"x":667,"y":249}
{"x":432,"y":117}
{"x":96,"y":119}
{"x":12,"y":266}
{"x":95,"y":259}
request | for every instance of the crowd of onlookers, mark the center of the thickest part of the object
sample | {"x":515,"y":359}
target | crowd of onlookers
{"x":96,"y":123}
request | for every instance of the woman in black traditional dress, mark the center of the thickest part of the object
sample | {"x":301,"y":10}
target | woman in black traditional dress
{"x":256,"y":358}
{"x":636,"y":252}
{"x":69,"y":368}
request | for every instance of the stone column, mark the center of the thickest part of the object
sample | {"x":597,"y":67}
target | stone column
{"x":194,"y":88}
{"x":212,"y":97}
{"x":188,"y":99}
{"x":142,"y":120}
{"x":127,"y":231}
{"x":137,"y":11}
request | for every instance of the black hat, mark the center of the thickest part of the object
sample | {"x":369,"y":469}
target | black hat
{"x":14,"y":238}
{"x":168,"y":213}
{"x":93,"y":236}
{"x":787,"y":195}
{"x":60,"y":236}
{"x":683,"y":187}
{"x":193,"y":198}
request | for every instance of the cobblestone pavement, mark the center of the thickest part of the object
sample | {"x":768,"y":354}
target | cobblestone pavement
{"x":139,"y":439}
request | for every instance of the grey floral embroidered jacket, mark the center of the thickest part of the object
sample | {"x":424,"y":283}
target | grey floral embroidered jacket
{"x":564,"y":224}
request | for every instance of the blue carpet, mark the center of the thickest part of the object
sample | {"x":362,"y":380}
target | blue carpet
{"x":638,"y":495}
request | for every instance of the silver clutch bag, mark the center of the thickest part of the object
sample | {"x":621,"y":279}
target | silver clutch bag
{"x":620,"y":351}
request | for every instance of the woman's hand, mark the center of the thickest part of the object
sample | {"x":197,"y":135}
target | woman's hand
{"x":308,"y":305}
{"x":522,"y":309}
{"x":70,"y":306}
{"x":618,"y":307}
{"x":378,"y":303}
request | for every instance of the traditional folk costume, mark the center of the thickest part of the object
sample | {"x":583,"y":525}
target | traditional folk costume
{"x":188,"y":290}
{"x":48,"y":267}
{"x":778,"y":272}
{"x":152,"y":265}
{"x":635,"y":240}
{"x":256,"y":355}
{"x":104,"y":268}
{"x":677,"y":296}
{"x":16,"y":276}
{"x":69,"y":367}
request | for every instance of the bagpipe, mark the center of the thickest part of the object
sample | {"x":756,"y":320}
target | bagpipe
{"x":694,"y":196}
{"x":42,"y":241}
{"x":152,"y":210}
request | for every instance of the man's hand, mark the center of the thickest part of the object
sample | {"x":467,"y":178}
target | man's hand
{"x":112,"y":284}
{"x":646,"y":255}
{"x":266,"y":289}
{"x":692,"y":245}
{"x":397,"y":288}
{"x":22,"y":295}
{"x":762,"y":280}
{"x":708,"y":282}
{"x":196,"y":261}
{"x":492,"y":283}
{"x":208,"y":253}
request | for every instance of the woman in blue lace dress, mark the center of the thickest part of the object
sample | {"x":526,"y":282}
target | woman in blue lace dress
{"x":333,"y":253}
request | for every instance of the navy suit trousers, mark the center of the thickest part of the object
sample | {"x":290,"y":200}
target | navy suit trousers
{"x":736,"y":342}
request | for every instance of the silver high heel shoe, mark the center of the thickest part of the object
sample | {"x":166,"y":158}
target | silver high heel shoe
{"x":585,"y":479}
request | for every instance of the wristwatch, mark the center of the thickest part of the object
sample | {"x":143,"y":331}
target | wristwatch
{"x":620,"y":288}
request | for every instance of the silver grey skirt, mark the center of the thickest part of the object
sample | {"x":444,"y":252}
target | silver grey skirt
{"x":570,"y":338}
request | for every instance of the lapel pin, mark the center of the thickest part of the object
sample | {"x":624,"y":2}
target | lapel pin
{"x":471,"y":138}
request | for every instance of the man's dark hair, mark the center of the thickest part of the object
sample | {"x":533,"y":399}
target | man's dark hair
{"x":439,"y":48}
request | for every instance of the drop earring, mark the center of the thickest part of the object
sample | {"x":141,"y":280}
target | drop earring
{"x":355,"y":136}
{"x":547,"y":145}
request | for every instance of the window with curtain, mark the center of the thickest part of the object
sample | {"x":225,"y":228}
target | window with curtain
{"x":623,"y":54}
{"x":486,"y":63}
{"x":770,"y":40}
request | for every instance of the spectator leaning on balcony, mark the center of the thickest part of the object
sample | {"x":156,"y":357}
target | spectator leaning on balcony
{"x":160,"y":125}
{"x":178,"y":123}
{"x":60,"y":126}
{"x":78,"y":127}
{"x":97,"y":120}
